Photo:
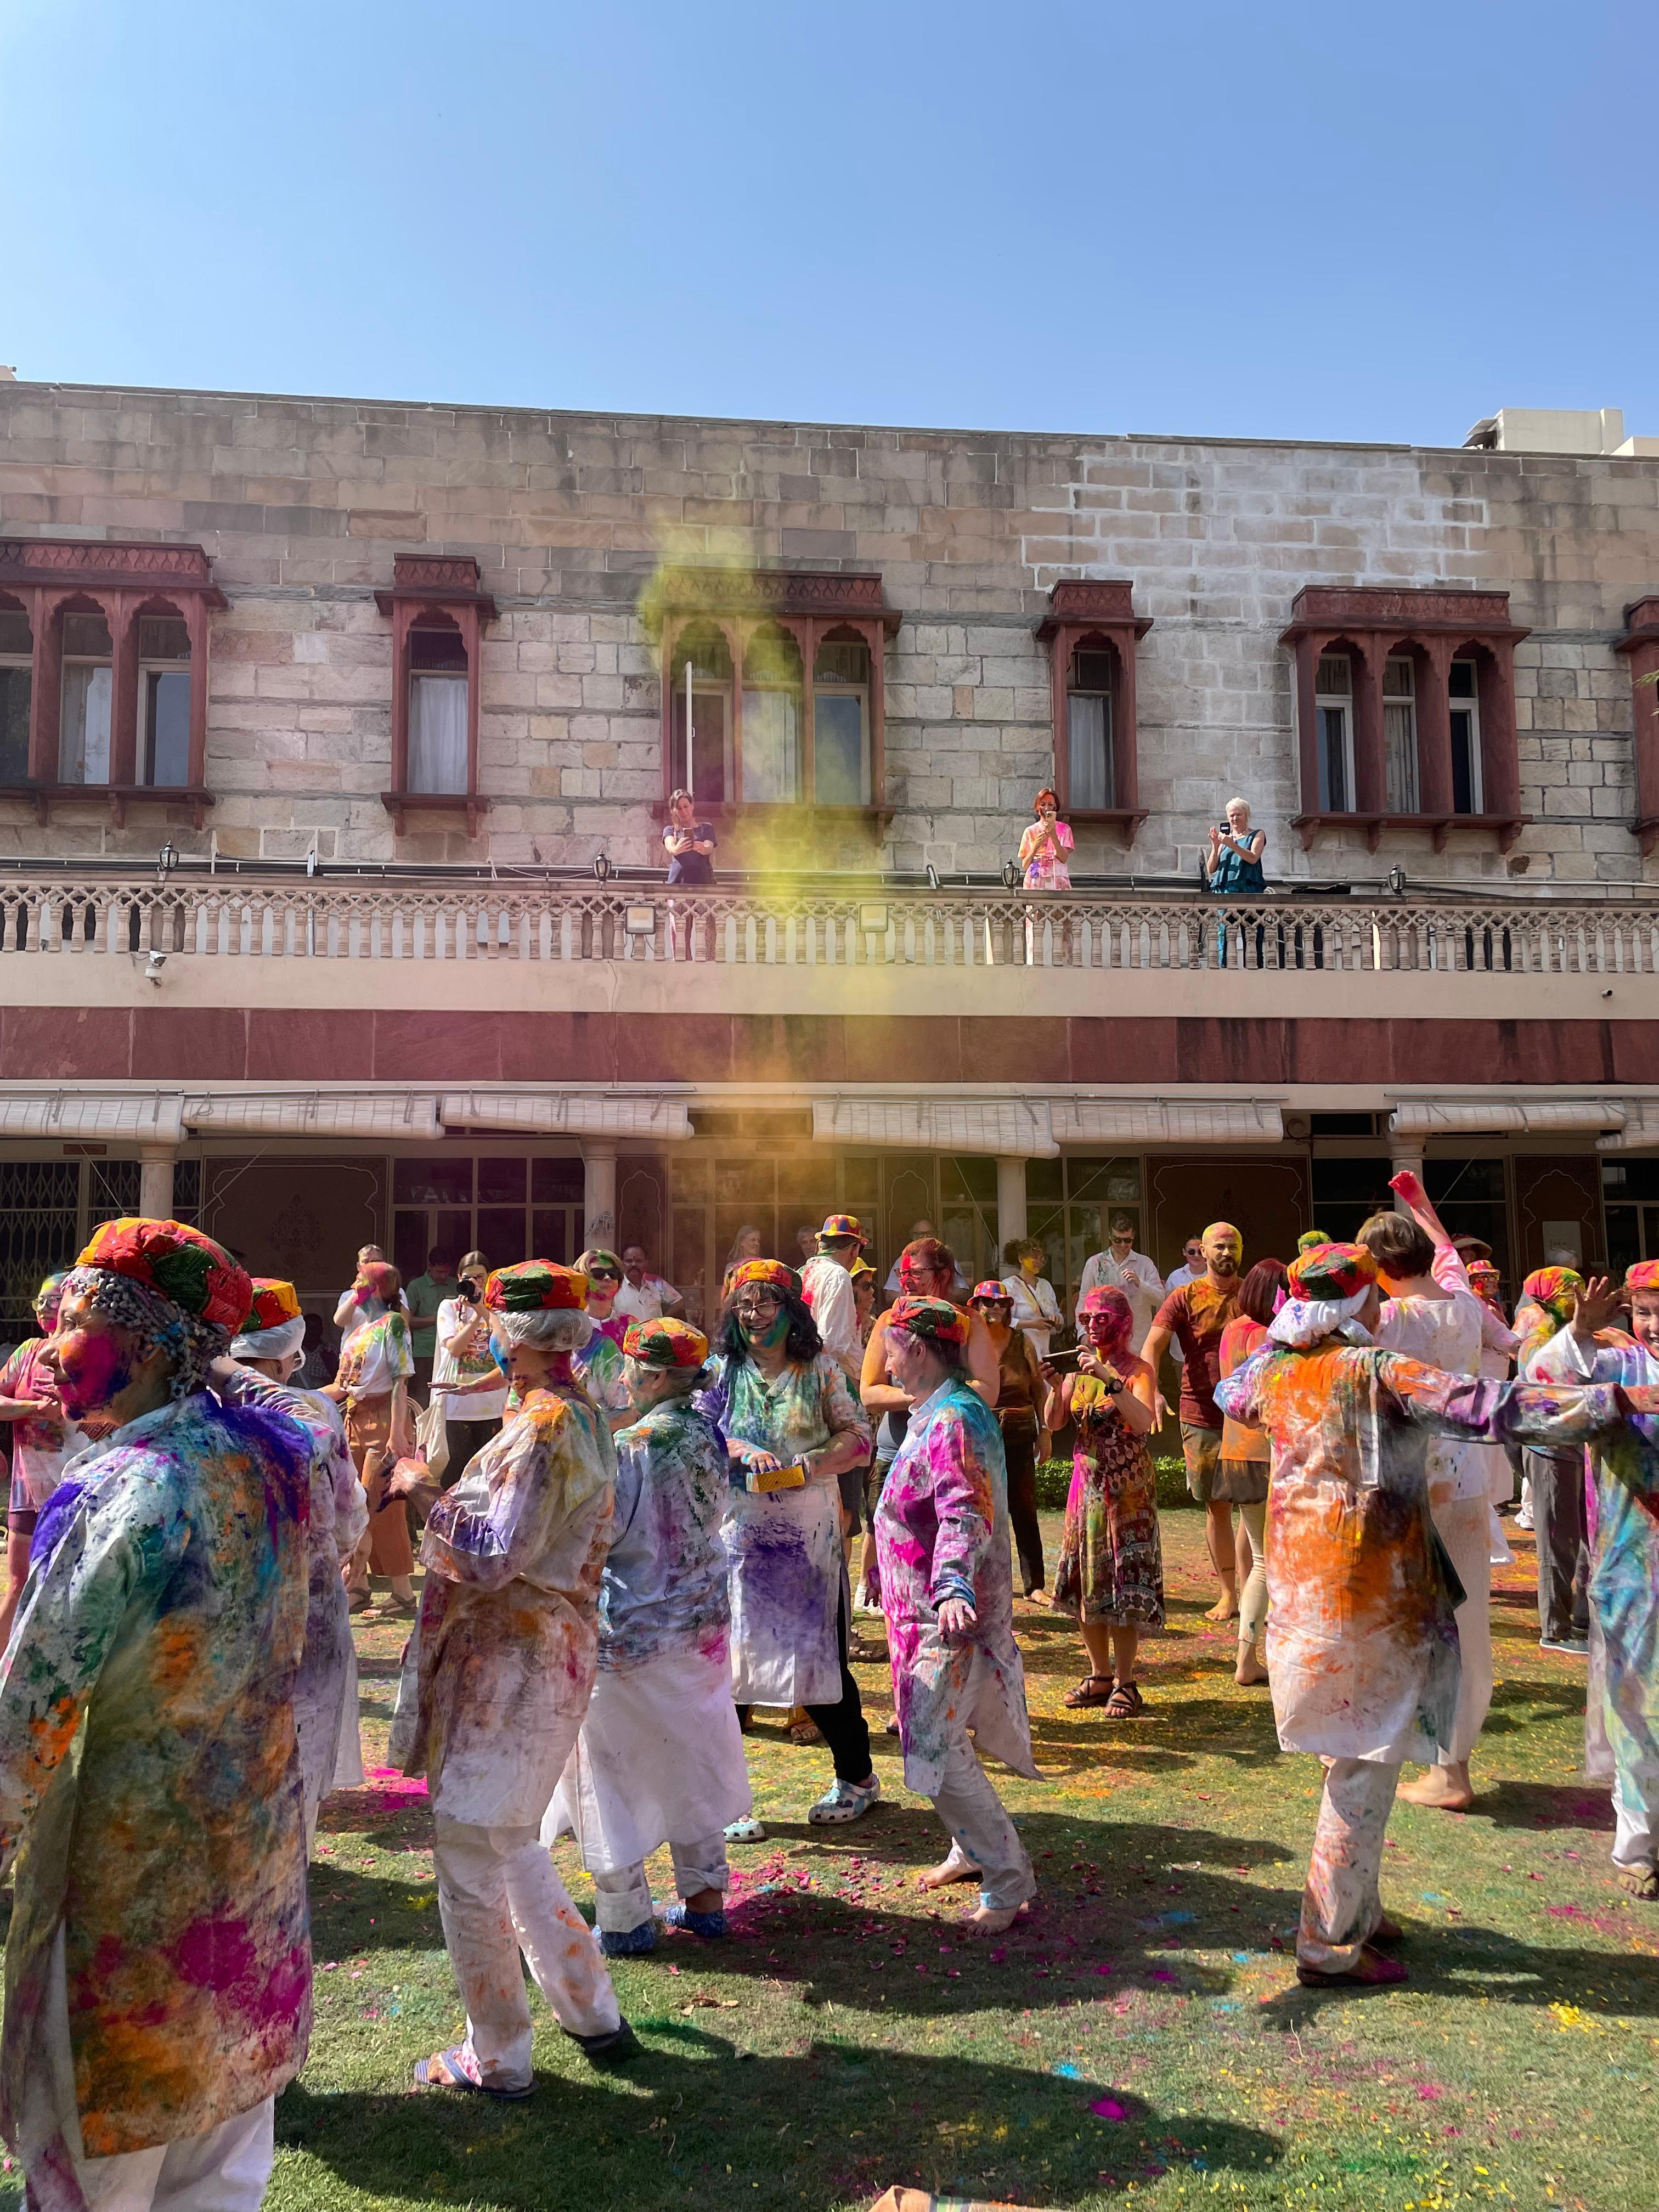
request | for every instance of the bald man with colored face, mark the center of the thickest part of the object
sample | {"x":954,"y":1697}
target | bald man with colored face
{"x":1194,"y":1317}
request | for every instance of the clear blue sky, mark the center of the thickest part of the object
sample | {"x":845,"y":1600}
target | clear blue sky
{"x":1325,"y":220}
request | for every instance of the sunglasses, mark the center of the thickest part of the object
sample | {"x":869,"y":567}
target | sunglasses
{"x":603,"y":1275}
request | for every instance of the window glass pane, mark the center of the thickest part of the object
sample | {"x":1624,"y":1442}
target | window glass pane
{"x":770,"y":747}
{"x":167,"y":709}
{"x":437,"y":1179}
{"x":409,"y":1244}
{"x":86,"y":637}
{"x":1088,"y":721}
{"x":163,"y":637}
{"x":1399,"y":758}
{"x":83,"y":730}
{"x":838,"y":751}
{"x":499,"y":1231}
{"x":1397,"y":679}
{"x":501,"y":1182}
{"x":1334,"y":795}
{"x":439,"y":648}
{"x":1043,"y":1179}
{"x":1334,"y":675}
{"x":16,"y":690}
{"x":437,"y":733}
{"x":1466,"y":761}
{"x":15,"y":632}
{"x":555,"y":1181}
{"x":1116,"y":1181}
{"x":710,"y":712}
{"x":1459,"y":681}
{"x":552,"y":1235}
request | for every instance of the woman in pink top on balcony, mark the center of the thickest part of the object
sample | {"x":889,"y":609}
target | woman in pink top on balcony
{"x":1045,"y":848}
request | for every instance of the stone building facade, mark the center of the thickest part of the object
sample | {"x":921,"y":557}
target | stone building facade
{"x":323,"y":724}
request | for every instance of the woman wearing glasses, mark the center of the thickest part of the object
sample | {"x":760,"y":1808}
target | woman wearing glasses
{"x":599,"y":1365}
{"x":785,"y":1408}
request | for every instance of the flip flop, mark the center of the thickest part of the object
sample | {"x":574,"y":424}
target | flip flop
{"x":450,"y":2060}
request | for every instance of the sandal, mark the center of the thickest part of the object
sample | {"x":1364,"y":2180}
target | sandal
{"x":454,"y":2077}
{"x":1086,"y":1694}
{"x":1125,"y":1702}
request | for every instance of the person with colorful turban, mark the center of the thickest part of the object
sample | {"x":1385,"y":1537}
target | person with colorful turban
{"x":41,"y":1442}
{"x":947,"y":1591}
{"x":1555,"y":1480}
{"x":259,"y":1370}
{"x":1194,"y":1317}
{"x":377,"y":1363}
{"x":660,"y":1758}
{"x":1111,"y":1563}
{"x":1362,"y":1638}
{"x":599,"y":1365}
{"x":1621,"y":1719}
{"x":158,"y":1962}
{"x":786,"y":1411}
{"x":496,"y":1685}
{"x":1022,"y":1394}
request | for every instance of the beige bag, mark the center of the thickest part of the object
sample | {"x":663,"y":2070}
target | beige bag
{"x":432,"y":1437}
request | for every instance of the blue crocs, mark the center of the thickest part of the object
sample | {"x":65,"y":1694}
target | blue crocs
{"x":628,"y":1942}
{"x":709,"y":1925}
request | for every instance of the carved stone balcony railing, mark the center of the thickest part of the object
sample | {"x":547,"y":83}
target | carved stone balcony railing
{"x":216,"y":919}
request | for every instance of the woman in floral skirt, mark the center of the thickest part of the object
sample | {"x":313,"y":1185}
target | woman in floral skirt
{"x":1111,"y":1563}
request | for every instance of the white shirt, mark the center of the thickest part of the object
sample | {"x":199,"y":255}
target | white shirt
{"x":1136,"y":1277}
{"x":452,"y":1370}
{"x":827,"y":1288}
{"x":1181,"y":1277}
{"x":1036,"y":1309}
{"x":649,"y":1301}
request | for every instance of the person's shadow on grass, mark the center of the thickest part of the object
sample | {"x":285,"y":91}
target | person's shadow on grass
{"x":694,"y":2117}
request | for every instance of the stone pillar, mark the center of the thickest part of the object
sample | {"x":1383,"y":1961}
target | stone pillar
{"x":1010,"y":1199}
{"x":599,"y":1192}
{"x":1404,"y":1152}
{"x":156,"y":1163}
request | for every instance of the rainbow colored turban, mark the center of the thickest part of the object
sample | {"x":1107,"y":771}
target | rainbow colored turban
{"x":1332,"y":1272}
{"x":935,"y":1320}
{"x":1643,"y":1276}
{"x":1554,"y":1289}
{"x":179,"y":1263}
{"x":536,"y":1286}
{"x":666,"y":1343}
{"x":772,"y":1274}
{"x":274,"y":1303}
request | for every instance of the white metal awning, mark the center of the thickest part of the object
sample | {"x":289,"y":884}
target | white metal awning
{"x":148,"y":1118}
{"x":1429,"y":1117}
{"x":1167,"y":1121}
{"x":402,"y":1114}
{"x":568,"y":1114}
{"x":1015,"y":1127}
{"x":1640,"y":1130}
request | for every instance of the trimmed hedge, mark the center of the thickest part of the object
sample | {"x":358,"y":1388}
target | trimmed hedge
{"x":1054,"y":1482}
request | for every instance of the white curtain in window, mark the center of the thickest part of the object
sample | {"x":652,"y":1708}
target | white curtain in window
{"x":1399,"y":758}
{"x":1088,"y":726}
{"x":83,"y":730}
{"x":437,"y":733}
{"x":771,"y":747}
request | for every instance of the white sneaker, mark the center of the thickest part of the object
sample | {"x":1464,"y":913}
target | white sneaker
{"x":843,"y":1801}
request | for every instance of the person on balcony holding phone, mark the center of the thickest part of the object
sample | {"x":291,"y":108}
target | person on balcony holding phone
{"x":1233,"y":863}
{"x":1045,"y":849}
{"x":688,"y":843}
{"x":792,"y":1423}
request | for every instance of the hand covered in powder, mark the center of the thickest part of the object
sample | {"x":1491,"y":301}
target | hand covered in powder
{"x":1594,"y":1306}
{"x":956,"y":1616}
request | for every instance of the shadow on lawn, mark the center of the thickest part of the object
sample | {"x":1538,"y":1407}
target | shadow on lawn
{"x":695,"y":2117}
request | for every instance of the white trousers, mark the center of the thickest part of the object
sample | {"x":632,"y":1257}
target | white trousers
{"x":499,"y":1895}
{"x":225,"y":2170}
{"x":982,"y":1833}
{"x":1341,"y":1906}
{"x":1464,"y":1527}
{"x":1635,"y":1827}
{"x":622,"y":1899}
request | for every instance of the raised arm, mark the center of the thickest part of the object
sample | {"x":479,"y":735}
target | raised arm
{"x":1506,"y":1412}
{"x":1421,"y":1210}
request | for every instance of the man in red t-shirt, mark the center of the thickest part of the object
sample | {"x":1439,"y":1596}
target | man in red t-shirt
{"x":1194,"y":1317}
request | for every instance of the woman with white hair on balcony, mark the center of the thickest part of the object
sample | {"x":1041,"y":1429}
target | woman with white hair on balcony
{"x":496,"y":1683}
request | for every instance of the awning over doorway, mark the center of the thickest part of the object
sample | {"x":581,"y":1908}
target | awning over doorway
{"x":152,"y":1118}
{"x":1014,"y":1126}
{"x":1131,"y":1121}
{"x":1534,"y":1117}
{"x":404,"y":1114}
{"x":568,"y":1114}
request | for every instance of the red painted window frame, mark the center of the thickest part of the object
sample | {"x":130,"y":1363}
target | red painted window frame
{"x":445,"y":584}
{"x":1081,"y":608}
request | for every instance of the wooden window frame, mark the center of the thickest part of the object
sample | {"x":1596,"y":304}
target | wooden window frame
{"x":123,"y":581}
{"x":1081,"y":608}
{"x":807,"y":605}
{"x":1373,"y":624}
{"x":445,"y":584}
{"x":1640,"y":646}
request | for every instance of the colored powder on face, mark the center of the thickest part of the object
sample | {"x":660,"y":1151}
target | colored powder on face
{"x":95,"y":1367}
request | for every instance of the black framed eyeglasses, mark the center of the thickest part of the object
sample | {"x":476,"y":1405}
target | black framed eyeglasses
{"x":759,"y":1302}
{"x":603,"y":1275}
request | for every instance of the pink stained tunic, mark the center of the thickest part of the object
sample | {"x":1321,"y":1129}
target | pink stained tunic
{"x":942,"y":1532}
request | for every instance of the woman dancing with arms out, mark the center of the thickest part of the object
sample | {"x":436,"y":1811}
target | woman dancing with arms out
{"x":1111,"y":1563}
{"x":947,"y":1591}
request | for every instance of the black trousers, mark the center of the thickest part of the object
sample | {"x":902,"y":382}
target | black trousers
{"x":1019,"y":1437}
{"x":465,"y":1438}
{"x":843,"y":1725}
{"x":1562,"y":1532}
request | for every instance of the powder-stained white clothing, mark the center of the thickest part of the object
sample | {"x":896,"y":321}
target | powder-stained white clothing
{"x":1137,"y":1278}
{"x":325,"y":1687}
{"x":1037,"y":1309}
{"x":827,"y":1288}
{"x":507,"y":1639}
{"x":1443,"y":1333}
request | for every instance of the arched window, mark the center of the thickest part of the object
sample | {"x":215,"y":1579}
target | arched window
{"x":771,"y":717}
{"x":437,"y":612}
{"x":16,"y":688}
{"x":700,"y":677}
{"x":162,"y":752}
{"x":1092,"y":632}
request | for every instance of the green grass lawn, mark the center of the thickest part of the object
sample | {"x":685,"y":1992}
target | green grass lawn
{"x":1140,"y":2035}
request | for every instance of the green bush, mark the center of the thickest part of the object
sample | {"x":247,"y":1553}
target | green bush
{"x":1054,"y":1481}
